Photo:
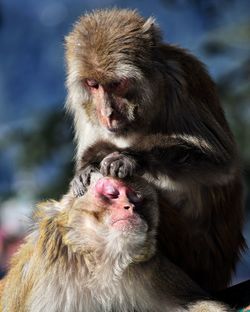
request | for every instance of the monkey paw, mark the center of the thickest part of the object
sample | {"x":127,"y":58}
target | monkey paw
{"x":118,"y":165}
{"x":81,"y":181}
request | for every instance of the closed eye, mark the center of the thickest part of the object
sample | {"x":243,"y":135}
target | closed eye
{"x":92,"y":83}
{"x":118,"y":86}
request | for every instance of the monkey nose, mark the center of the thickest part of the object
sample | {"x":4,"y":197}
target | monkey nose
{"x":125,"y":204}
{"x":107,"y":111}
{"x":129,"y":206}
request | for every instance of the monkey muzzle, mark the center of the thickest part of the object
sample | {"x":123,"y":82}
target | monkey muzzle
{"x":110,"y":118}
{"x":122,"y":202}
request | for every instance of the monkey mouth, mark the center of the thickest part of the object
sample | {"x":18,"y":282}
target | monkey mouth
{"x":126,"y":223}
{"x":113,"y":129}
{"x":117,"y":130}
{"x":115,"y":124}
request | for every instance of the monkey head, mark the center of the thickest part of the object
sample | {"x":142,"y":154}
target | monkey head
{"x":110,"y":57}
{"x":114,"y":218}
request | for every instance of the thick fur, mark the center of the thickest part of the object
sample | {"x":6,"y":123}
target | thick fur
{"x":72,"y":261}
{"x":175,"y":133}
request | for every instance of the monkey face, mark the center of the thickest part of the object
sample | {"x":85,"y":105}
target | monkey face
{"x":115,"y":217}
{"x":110,"y":105}
{"x":110,"y":62}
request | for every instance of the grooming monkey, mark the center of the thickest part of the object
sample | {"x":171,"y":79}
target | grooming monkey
{"x":98,"y":253}
{"x":146,"y":107}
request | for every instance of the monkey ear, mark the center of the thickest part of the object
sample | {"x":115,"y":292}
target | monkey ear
{"x":66,"y":40}
{"x":151,"y":28}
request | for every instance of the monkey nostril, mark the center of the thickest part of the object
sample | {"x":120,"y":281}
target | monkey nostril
{"x":126,"y":207}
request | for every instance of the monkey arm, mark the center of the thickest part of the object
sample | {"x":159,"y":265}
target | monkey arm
{"x":95,"y":154}
{"x":181,"y":160}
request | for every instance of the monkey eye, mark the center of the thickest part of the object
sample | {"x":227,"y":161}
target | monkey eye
{"x":135,"y":197}
{"x":114,"y":85}
{"x":92,"y":83}
{"x":111,"y":192}
{"x":118,"y":85}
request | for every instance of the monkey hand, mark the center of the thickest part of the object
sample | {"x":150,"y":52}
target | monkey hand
{"x":118,"y":165}
{"x":81,"y":181}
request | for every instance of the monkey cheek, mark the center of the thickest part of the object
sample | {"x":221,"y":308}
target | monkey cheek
{"x":103,"y":120}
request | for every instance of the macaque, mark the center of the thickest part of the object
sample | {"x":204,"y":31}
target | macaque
{"x":144,"y":107}
{"x":99,"y":253}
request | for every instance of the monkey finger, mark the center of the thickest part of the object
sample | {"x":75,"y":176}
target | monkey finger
{"x":105,"y":167}
{"x":115,"y":168}
{"x":125,"y":170}
{"x":78,"y":188}
{"x":122,"y":173}
{"x":82,"y":180}
{"x":108,"y":164}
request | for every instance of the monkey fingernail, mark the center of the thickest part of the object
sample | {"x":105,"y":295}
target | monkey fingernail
{"x":121,"y":174}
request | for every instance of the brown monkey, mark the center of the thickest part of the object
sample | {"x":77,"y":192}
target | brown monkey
{"x":144,"y":106}
{"x":98,"y":253}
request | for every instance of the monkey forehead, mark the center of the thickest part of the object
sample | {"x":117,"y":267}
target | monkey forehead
{"x":104,"y":38}
{"x":134,"y":184}
{"x":95,"y":177}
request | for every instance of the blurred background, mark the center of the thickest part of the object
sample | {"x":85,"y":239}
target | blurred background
{"x":36,"y":140}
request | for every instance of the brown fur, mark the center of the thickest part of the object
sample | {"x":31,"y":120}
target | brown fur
{"x":72,"y":261}
{"x":174,"y":131}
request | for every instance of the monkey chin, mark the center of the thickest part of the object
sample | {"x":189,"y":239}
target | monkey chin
{"x":127,"y":224}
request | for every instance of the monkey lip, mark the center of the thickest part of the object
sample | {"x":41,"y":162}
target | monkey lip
{"x":119,"y":128}
{"x":115,"y":125}
{"x":113,"y":130}
{"x":125,"y":222}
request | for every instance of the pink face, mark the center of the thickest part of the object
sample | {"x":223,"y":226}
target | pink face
{"x":121,"y":201}
{"x":109,"y":102}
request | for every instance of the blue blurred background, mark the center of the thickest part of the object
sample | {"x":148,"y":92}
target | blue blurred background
{"x":36,"y":149}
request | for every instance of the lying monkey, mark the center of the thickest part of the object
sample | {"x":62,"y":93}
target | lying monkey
{"x":99,"y":253}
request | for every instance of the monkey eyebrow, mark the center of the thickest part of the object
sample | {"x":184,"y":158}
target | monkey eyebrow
{"x":113,"y":86}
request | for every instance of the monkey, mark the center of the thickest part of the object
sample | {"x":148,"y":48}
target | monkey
{"x":98,"y":253}
{"x":142,"y":106}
